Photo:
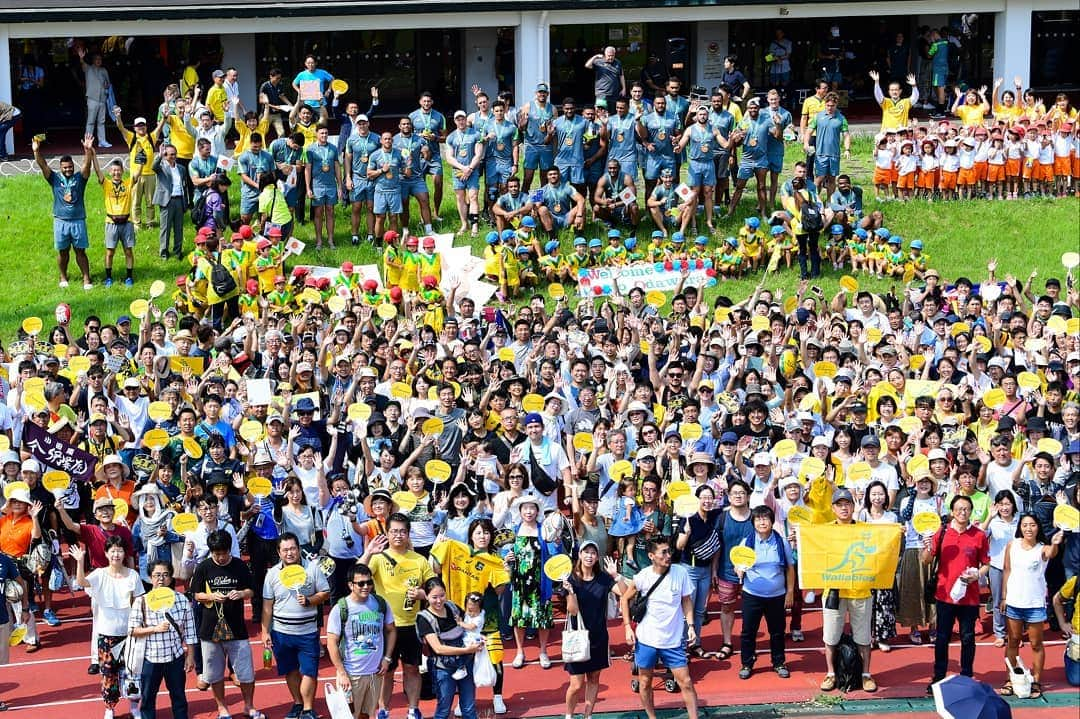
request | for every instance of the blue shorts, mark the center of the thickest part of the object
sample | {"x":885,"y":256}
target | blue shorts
{"x":627,"y":166}
{"x":324,"y":198}
{"x":572,"y":173}
{"x":646,"y":657}
{"x":296,"y":652}
{"x":594,"y":172}
{"x":938,"y":77}
{"x":249,"y":204}
{"x":748,"y":170}
{"x":826,"y":165}
{"x":362,"y":191}
{"x":387,"y":202}
{"x":497,"y":173}
{"x":413,"y":187}
{"x":473,"y":183}
{"x":538,"y":157}
{"x":700,"y":173}
{"x":775,"y":162}
{"x":558,"y":220}
{"x":68,"y":234}
{"x":1032,"y":615}
{"x":655,"y":164}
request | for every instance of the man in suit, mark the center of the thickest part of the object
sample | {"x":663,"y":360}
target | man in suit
{"x":169,"y":196}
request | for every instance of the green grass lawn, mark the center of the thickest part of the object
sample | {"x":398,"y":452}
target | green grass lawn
{"x":959,"y":237}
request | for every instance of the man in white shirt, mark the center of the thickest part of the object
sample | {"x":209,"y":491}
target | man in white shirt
{"x":550,"y":458}
{"x":659,"y":634}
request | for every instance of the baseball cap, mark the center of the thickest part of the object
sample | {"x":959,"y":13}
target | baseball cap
{"x":729,"y":438}
{"x":842,"y":495}
{"x":362,"y":118}
{"x":139,"y":121}
{"x":533,"y":418}
{"x":459,"y":113}
{"x":542,"y":87}
{"x":870,"y":440}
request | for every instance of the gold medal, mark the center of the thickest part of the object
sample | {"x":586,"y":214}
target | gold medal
{"x":661,"y":135}
{"x":558,"y":207}
{"x":326,"y":168}
{"x":390,"y":173}
{"x":619,"y":137}
{"x":569,"y":142}
{"x":463,"y":152}
{"x":500,"y":146}
{"x":363,"y":158}
{"x":704,"y":147}
{"x":405,"y":154}
{"x":67,"y":196}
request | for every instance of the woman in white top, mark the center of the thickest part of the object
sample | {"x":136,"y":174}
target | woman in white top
{"x":1023,"y":598}
{"x":1000,"y":530}
{"x":113,"y":589}
{"x":875,"y":510}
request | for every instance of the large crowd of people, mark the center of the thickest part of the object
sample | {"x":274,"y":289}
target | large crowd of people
{"x":329,"y":451}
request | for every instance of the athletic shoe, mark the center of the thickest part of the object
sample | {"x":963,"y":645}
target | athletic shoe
{"x":382,"y":714}
{"x":105,"y":145}
{"x":88,"y":285}
{"x":500,"y":705}
{"x":128,"y":282}
{"x":519,"y":660}
{"x":545,"y":662}
{"x":828,"y":683}
{"x":797,"y":635}
{"x":457,"y":710}
{"x":782,"y":671}
{"x":295,"y":711}
{"x":63,"y":284}
{"x":50,"y":618}
{"x":355,"y":240}
{"x":745,"y":672}
{"x":308,"y":714}
{"x":868,"y":683}
{"x":93,"y":669}
{"x":108,"y":714}
{"x":108,"y":281}
{"x":414,"y":713}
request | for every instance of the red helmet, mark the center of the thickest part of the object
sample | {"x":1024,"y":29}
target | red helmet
{"x":274,"y":232}
{"x":252,"y":287}
{"x":395,"y":294}
{"x":370,"y":285}
{"x":181,"y":280}
{"x":236,"y":237}
{"x":430,"y":280}
{"x":412,"y":241}
{"x":245,"y":232}
{"x":299,"y":271}
{"x":322,"y":283}
{"x":310,"y":282}
{"x":390,"y":237}
{"x":429,"y":241}
{"x":346,"y":267}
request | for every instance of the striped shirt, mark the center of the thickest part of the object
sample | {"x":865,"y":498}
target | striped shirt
{"x":289,"y":616}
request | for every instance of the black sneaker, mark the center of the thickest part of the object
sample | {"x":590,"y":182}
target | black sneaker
{"x":94,"y":668}
{"x":355,"y":241}
{"x":294,"y":712}
{"x":163,"y":255}
{"x":782,"y":671}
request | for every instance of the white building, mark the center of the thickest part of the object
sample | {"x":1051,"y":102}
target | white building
{"x":447,"y":46}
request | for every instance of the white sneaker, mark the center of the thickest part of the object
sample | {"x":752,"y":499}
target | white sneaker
{"x":105,"y":145}
{"x":63,"y":284}
{"x":457,"y":710}
{"x":88,"y":285}
{"x":500,"y":705}
{"x":809,"y":597}
{"x":108,"y":714}
{"x":545,"y":662}
{"x":797,"y":635}
{"x":519,"y":660}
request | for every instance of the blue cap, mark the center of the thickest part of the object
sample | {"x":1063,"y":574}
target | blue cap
{"x":882,"y":232}
{"x":657,"y":235}
{"x":551,"y":246}
{"x":837,"y":229}
{"x":579,"y":242}
{"x":522,"y":250}
{"x":595,"y":242}
{"x":753,"y":223}
{"x":533,"y":418}
{"x":528,"y":221}
{"x":305,"y":405}
{"x":630,"y":243}
{"x":861,"y":233}
{"x":916,"y":244}
{"x":895,"y":240}
{"x":508,"y":235}
{"x":492,"y":237}
{"x":732,"y":241}
{"x":678,"y":237}
{"x":123,"y":320}
{"x":701,"y":240}
{"x":613,"y":233}
{"x":729,"y":438}
{"x":777,"y":230}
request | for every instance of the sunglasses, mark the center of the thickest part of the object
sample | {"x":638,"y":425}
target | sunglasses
{"x":364,"y":583}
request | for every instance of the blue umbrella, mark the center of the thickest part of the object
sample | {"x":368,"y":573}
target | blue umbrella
{"x":960,"y":697}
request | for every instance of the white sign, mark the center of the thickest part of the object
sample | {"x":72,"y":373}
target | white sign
{"x":600,"y":281}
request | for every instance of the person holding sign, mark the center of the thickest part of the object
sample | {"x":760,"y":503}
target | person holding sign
{"x":768,"y":589}
{"x":292,"y":595}
{"x":923,"y":501}
{"x":166,"y":620}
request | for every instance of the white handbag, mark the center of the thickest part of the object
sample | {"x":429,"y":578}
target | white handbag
{"x":575,"y":642}
{"x":337,"y":704}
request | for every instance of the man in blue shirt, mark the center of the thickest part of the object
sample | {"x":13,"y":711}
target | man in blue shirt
{"x":534,"y":120}
{"x":321,"y":171}
{"x":831,"y":129}
{"x":69,"y":208}
{"x":317,"y":74}
{"x":466,"y":150}
{"x":621,"y":138}
{"x":657,"y":131}
{"x":568,"y":138}
{"x":416,"y":152}
{"x":774,"y":146}
{"x":753,"y":133}
{"x":387,"y":169}
{"x":252,"y":164}
{"x":358,"y":148}
{"x":430,"y":125}
{"x":562,"y":205}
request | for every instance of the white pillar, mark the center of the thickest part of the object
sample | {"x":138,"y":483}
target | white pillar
{"x":709,"y":53}
{"x":478,"y":48}
{"x":532,"y":55}
{"x":239,"y":51}
{"x":6,"y":93}
{"x":1012,"y":42}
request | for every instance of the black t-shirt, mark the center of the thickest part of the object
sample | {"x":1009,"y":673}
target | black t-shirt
{"x":209,"y":576}
{"x":273,"y":96}
{"x":501,"y":446}
{"x":592,"y":604}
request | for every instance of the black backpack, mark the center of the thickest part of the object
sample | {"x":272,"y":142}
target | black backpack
{"x":848,"y":664}
{"x":199,"y":213}
{"x":811,"y":218}
{"x":220,"y":278}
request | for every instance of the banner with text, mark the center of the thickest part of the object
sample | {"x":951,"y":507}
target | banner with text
{"x":662,"y":276}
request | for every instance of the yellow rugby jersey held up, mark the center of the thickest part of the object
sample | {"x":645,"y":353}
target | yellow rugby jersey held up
{"x":394,"y":574}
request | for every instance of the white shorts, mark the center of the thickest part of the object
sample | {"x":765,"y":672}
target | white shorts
{"x":239,"y":653}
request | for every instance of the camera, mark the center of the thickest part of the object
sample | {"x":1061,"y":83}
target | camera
{"x":832,"y":599}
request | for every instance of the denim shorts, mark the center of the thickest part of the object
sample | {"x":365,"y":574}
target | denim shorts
{"x":1028,"y":615}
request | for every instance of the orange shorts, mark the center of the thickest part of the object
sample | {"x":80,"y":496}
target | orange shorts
{"x":995,"y":173}
{"x":1012,"y":167}
{"x":928,"y":180}
{"x":906,"y":182}
{"x":981,"y":170}
{"x":1046,"y":173}
{"x":1062,"y":166}
{"x":1029,"y":169}
{"x":882,"y":176}
{"x":968,"y":176}
{"x":948,"y":180}
{"x":1076,"y":166}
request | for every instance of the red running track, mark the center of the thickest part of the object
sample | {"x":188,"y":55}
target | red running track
{"x":53,"y":681}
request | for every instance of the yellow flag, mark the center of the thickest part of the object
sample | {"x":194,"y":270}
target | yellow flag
{"x":852,"y":557}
